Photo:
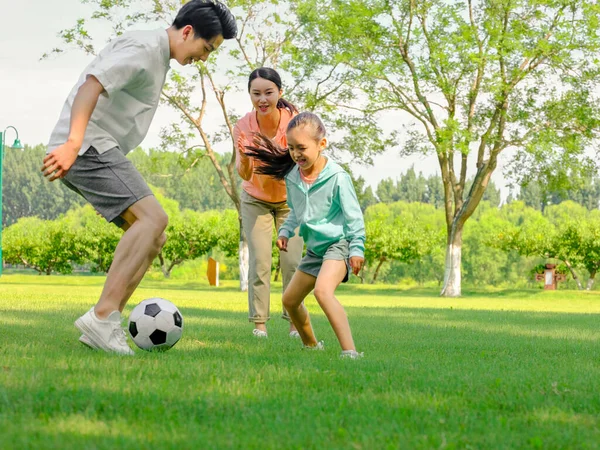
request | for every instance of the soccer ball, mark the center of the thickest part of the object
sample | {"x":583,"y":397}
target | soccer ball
{"x":155,"y":324}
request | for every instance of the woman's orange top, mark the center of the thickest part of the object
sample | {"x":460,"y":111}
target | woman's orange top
{"x":262,"y":187}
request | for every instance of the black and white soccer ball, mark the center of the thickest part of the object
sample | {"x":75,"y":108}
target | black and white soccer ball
{"x":155,"y":324}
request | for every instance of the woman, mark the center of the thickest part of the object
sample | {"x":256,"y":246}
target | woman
{"x":263,"y":198}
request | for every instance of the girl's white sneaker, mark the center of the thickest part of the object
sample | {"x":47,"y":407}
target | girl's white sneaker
{"x":320,"y":346}
{"x":351,"y":354}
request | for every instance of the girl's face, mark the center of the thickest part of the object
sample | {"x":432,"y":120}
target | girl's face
{"x":304,"y":148}
{"x":264,"y":95}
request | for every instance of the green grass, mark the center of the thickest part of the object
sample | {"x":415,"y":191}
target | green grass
{"x":494,"y":369}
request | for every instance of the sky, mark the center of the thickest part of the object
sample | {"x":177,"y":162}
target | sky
{"x":32,"y":91}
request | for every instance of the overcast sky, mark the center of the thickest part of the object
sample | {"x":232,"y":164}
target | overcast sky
{"x":32,"y":92}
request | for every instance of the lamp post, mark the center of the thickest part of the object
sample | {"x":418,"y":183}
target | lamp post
{"x":17,"y":144}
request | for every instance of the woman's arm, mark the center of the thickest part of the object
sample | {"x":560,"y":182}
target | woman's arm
{"x":243,"y":163}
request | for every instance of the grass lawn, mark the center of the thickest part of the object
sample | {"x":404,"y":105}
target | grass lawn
{"x":492,"y":370}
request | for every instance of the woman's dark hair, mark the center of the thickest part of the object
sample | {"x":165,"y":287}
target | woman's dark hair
{"x":209,"y":18}
{"x":271,"y":74}
{"x":276,"y":161}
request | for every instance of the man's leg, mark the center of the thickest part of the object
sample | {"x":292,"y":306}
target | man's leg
{"x":136,"y":250}
{"x":138,"y":277}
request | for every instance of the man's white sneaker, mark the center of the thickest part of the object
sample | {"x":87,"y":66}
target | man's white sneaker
{"x":320,"y":346}
{"x":259,"y":333}
{"x":351,"y":354}
{"x":294,"y":334}
{"x":107,"y":335}
{"x":86,"y":341}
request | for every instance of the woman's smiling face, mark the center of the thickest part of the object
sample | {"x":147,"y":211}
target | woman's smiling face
{"x":264,"y":95}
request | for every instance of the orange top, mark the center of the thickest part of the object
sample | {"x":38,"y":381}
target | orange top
{"x":262,"y":187}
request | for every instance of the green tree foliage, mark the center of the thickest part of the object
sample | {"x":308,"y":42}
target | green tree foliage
{"x":470,"y":76}
{"x":190,"y":235}
{"x":97,"y":238}
{"x":194,"y":187}
{"x":410,"y":187}
{"x":539,"y":193}
{"x":400,"y":232}
{"x":43,"y":245}
{"x":26,"y":193}
{"x":567,"y":232}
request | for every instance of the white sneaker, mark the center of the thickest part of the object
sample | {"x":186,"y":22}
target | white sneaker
{"x":294,"y":334}
{"x":107,"y":335}
{"x":351,"y":354}
{"x":86,"y":341}
{"x":320,"y":346}
{"x":259,"y":333}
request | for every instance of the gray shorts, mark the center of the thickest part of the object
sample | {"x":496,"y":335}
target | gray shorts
{"x":311,"y":263}
{"x":108,"y":181}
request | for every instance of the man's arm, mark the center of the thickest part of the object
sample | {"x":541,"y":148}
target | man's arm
{"x":58,"y":162}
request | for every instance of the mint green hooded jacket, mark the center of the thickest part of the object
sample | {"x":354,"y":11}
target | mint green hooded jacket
{"x":326,"y":213}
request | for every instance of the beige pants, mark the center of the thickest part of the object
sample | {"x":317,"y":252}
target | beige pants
{"x":258,"y":218}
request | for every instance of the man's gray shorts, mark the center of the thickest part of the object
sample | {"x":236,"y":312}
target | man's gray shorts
{"x":108,"y":181}
{"x":311,"y":263}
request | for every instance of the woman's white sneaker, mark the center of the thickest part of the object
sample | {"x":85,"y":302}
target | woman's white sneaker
{"x":259,"y":333}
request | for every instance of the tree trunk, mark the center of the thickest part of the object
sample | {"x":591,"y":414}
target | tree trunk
{"x":278,"y":269}
{"x":452,"y":274}
{"x":381,"y":261}
{"x":244,"y":259}
{"x":590,"y":282}
{"x":574,"y":275}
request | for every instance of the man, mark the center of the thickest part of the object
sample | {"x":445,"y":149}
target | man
{"x":106,"y":115}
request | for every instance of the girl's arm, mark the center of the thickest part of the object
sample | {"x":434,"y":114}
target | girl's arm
{"x":354,"y":224}
{"x":243,"y":163}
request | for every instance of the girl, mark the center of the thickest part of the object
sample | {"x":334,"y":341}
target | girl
{"x":263,"y":198}
{"x":324,"y":204}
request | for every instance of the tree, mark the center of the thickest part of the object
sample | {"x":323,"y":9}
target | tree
{"x":43,"y":245}
{"x":471,"y":76}
{"x":190,"y":235}
{"x":398,"y":233}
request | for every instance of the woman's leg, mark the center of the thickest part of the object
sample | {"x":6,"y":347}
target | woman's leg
{"x":293,"y":301}
{"x":330,"y":276}
{"x":288,"y":260}
{"x":257,"y":221}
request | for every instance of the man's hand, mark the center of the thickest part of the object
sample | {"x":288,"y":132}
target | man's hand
{"x":282,"y":243}
{"x":356,"y":262}
{"x":58,"y":162}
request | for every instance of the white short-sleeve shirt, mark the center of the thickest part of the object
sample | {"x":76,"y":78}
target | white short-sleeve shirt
{"x":132,"y":69}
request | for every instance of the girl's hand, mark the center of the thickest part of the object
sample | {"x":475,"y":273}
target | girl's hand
{"x":282,"y":243}
{"x":356,"y":262}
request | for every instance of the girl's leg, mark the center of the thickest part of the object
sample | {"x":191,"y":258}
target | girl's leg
{"x":257,"y":221}
{"x":293,"y":298}
{"x":330,"y":276}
